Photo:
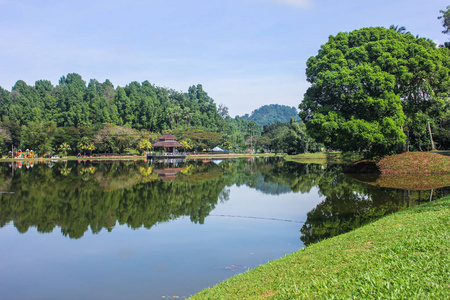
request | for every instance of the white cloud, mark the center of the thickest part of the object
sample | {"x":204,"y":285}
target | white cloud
{"x":297,"y":3}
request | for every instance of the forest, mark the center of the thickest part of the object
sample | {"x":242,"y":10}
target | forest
{"x":75,"y":116}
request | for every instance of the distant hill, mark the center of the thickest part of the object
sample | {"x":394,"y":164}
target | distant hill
{"x":268,"y":114}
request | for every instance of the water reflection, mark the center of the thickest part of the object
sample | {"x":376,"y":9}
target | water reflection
{"x":76,"y":196}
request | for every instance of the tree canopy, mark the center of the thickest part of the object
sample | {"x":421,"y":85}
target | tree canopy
{"x":273,"y":113}
{"x":370,"y":86}
{"x":97,"y":116}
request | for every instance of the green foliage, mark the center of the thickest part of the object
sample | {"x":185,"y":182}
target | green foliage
{"x":367,"y":83}
{"x":145,"y":145}
{"x":289,"y":138}
{"x":5,"y":139}
{"x":273,"y":113}
{"x":114,"y":119}
{"x":64,"y":147}
{"x":115,"y":139}
{"x":197,"y":138}
{"x":445,"y":17}
{"x":39,"y":136}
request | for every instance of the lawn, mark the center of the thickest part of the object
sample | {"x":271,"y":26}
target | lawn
{"x":405,"y":255}
{"x":324,"y":157}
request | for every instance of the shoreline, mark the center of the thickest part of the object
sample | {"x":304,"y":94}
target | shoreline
{"x":398,"y":256}
{"x":138,"y":157}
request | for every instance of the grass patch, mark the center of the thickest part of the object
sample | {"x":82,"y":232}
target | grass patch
{"x":324,"y":157}
{"x":402,"y":256}
{"x":415,"y":162}
{"x":405,"y":163}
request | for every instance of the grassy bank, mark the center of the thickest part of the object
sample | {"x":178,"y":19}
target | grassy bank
{"x":324,"y":157}
{"x":404,"y":163}
{"x":402,"y":256}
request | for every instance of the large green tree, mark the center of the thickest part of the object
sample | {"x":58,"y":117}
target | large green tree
{"x":365,"y":84}
{"x":39,"y":136}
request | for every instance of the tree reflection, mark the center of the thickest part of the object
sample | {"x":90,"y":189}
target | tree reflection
{"x":93,"y":195}
{"x":349,"y":204}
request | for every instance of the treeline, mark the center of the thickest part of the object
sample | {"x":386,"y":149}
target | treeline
{"x":141,"y":106}
{"x":99,"y":118}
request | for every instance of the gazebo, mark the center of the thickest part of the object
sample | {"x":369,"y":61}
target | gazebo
{"x":167,"y":142}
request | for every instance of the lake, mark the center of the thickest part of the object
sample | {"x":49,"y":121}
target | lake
{"x":135,"y":230}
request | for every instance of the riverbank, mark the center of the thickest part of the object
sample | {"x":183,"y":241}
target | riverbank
{"x":405,"y":255}
{"x":140,"y":157}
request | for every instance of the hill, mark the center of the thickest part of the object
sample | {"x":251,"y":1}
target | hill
{"x":273,"y":113}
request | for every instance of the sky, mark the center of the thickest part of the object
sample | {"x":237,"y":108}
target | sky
{"x":245,"y":53}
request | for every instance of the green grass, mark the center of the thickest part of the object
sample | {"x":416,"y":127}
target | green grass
{"x":401,"y":256}
{"x":324,"y":157}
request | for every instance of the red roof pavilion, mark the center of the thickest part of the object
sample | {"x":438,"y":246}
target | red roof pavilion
{"x":167,"y":141}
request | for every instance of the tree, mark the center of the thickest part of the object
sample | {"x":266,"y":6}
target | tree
{"x":251,"y":127}
{"x":445,"y":17}
{"x":399,"y":29}
{"x":5,"y":137}
{"x":39,"y":136}
{"x":145,"y":145}
{"x":84,"y":144}
{"x":91,"y":147}
{"x":366,"y":83}
{"x":199,"y":139}
{"x":273,"y":113}
{"x":116,"y":138}
{"x":187,"y":144}
{"x":222,"y":110}
{"x":187,"y":116}
{"x":64,"y":147}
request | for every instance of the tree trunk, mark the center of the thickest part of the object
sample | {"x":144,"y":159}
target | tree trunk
{"x":407,"y":142}
{"x":431,"y":136}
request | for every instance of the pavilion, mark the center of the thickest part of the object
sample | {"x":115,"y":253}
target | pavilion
{"x":168,"y":143}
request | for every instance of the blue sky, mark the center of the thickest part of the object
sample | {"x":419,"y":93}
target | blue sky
{"x":245,"y":53}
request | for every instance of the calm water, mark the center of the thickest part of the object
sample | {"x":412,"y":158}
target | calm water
{"x":131,"y":230}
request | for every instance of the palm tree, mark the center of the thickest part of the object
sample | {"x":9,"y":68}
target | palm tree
{"x":84,"y":144}
{"x":91,"y":147}
{"x":399,"y":29}
{"x":252,"y":126}
{"x":170,"y":113}
{"x":64,"y":147}
{"x":187,"y":116}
